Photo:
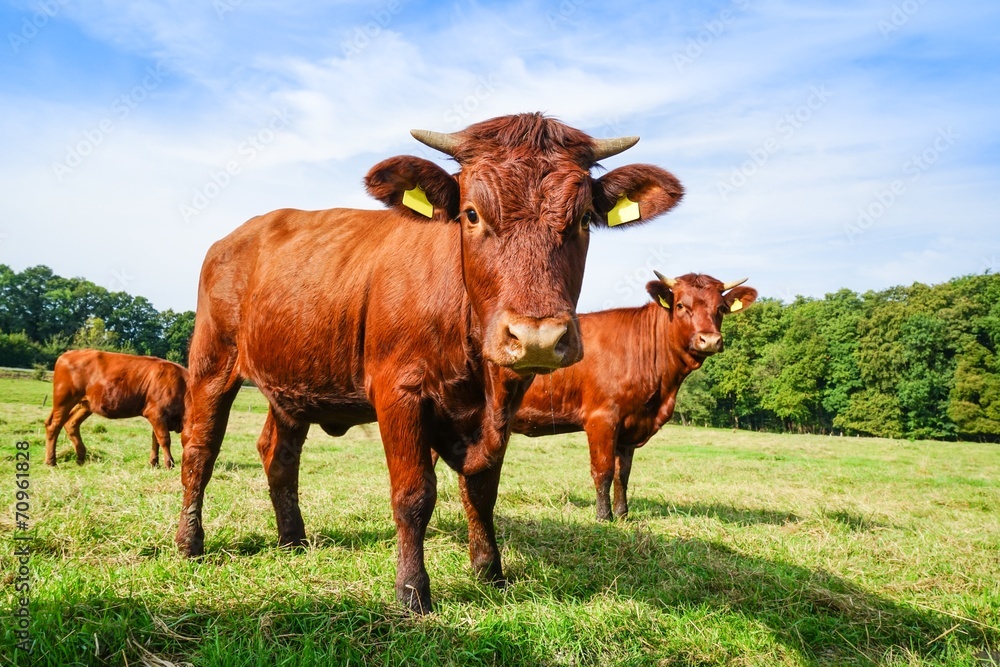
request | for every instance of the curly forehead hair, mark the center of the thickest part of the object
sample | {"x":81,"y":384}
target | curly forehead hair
{"x":700,"y":281}
{"x":522,"y":136}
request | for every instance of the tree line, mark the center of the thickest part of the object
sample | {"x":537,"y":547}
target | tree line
{"x":912,"y":362}
{"x":905,"y":362}
{"x":42,"y":315}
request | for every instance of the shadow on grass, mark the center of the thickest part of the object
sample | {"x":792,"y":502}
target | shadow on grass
{"x":853,"y":521}
{"x":232,"y":466}
{"x":108,"y":630}
{"x":827,"y":618}
{"x":740,"y":516}
{"x":251,"y":544}
{"x":354,"y":539}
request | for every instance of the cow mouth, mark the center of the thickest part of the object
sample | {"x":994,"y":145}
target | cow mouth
{"x":533,"y":370}
{"x":539,"y":362}
{"x":702,"y":355}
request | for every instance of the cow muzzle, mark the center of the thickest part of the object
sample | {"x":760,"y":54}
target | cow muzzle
{"x":530,"y":345}
{"x":707,"y":344}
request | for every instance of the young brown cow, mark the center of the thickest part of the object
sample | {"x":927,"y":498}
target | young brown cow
{"x":431,"y":317}
{"x":624,"y":390}
{"x":115,"y":386}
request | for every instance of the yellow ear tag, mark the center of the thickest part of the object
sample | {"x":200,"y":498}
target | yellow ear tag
{"x":737,"y":305}
{"x":417,"y":200}
{"x":663,"y":303}
{"x":624,"y":211}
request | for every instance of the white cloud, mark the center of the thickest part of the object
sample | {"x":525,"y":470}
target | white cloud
{"x":604,"y":69}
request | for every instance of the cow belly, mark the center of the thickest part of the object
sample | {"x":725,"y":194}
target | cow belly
{"x":536,"y":423}
{"x":335,"y":410}
{"x":116,"y":405}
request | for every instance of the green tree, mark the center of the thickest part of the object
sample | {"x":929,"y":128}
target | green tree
{"x":22,"y":300}
{"x":136,"y":322}
{"x":974,"y":401}
{"x":177,"y":331}
{"x":695,"y":402}
{"x":93,"y":335}
{"x":790,"y":373}
{"x":926,"y":377}
{"x":17,"y":350}
{"x":839,"y":317}
{"x":732,"y":374}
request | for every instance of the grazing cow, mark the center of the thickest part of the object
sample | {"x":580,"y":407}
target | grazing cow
{"x":115,"y":386}
{"x":624,"y":389}
{"x":431,"y":317}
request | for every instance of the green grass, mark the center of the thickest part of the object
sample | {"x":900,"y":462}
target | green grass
{"x":742,"y":549}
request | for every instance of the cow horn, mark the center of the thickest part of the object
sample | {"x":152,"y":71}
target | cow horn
{"x":607,"y":147}
{"x":669,"y":282}
{"x":728,"y":286}
{"x":446,"y":143}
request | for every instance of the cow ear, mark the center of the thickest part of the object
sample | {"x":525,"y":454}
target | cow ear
{"x":739,"y":298}
{"x":635,"y":194}
{"x":414,"y":186}
{"x":661,"y":293}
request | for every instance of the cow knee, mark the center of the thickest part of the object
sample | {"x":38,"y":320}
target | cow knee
{"x":414,"y":505}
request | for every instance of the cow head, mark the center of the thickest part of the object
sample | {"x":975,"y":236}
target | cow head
{"x":695,"y":304}
{"x":526,"y":204}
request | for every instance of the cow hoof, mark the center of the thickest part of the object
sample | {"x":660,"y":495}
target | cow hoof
{"x":416,"y":601}
{"x":168,"y":465}
{"x":50,"y":463}
{"x":190,"y":546}
{"x":79,"y":461}
{"x":293,"y":544}
{"x":490,"y":572}
{"x":154,"y":464}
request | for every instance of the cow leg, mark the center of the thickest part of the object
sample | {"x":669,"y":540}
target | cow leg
{"x":161,"y":440}
{"x":479,"y":496}
{"x":77,"y":416}
{"x":623,"y":468}
{"x":414,"y":493}
{"x":280,"y":448}
{"x":601,"y":437}
{"x":206,"y":413}
{"x":53,"y":424}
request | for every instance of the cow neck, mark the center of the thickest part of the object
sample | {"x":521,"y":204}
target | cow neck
{"x":502,"y":391}
{"x":674,"y":362}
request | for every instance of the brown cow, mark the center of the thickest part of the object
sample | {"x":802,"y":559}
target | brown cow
{"x":433,"y":326}
{"x":624,"y":390}
{"x":115,"y":386}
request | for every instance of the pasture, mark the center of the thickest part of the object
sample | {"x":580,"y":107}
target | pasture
{"x":741,"y":549}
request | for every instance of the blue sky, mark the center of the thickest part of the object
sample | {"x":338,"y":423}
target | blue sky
{"x":822,"y":145}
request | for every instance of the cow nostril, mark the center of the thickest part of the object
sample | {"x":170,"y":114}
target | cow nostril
{"x":564,"y":343}
{"x":513,"y":331}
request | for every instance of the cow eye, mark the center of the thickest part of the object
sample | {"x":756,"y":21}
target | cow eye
{"x":472,"y":216}
{"x":587,"y":218}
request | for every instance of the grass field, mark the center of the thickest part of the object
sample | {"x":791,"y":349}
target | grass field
{"x":741,"y":549}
